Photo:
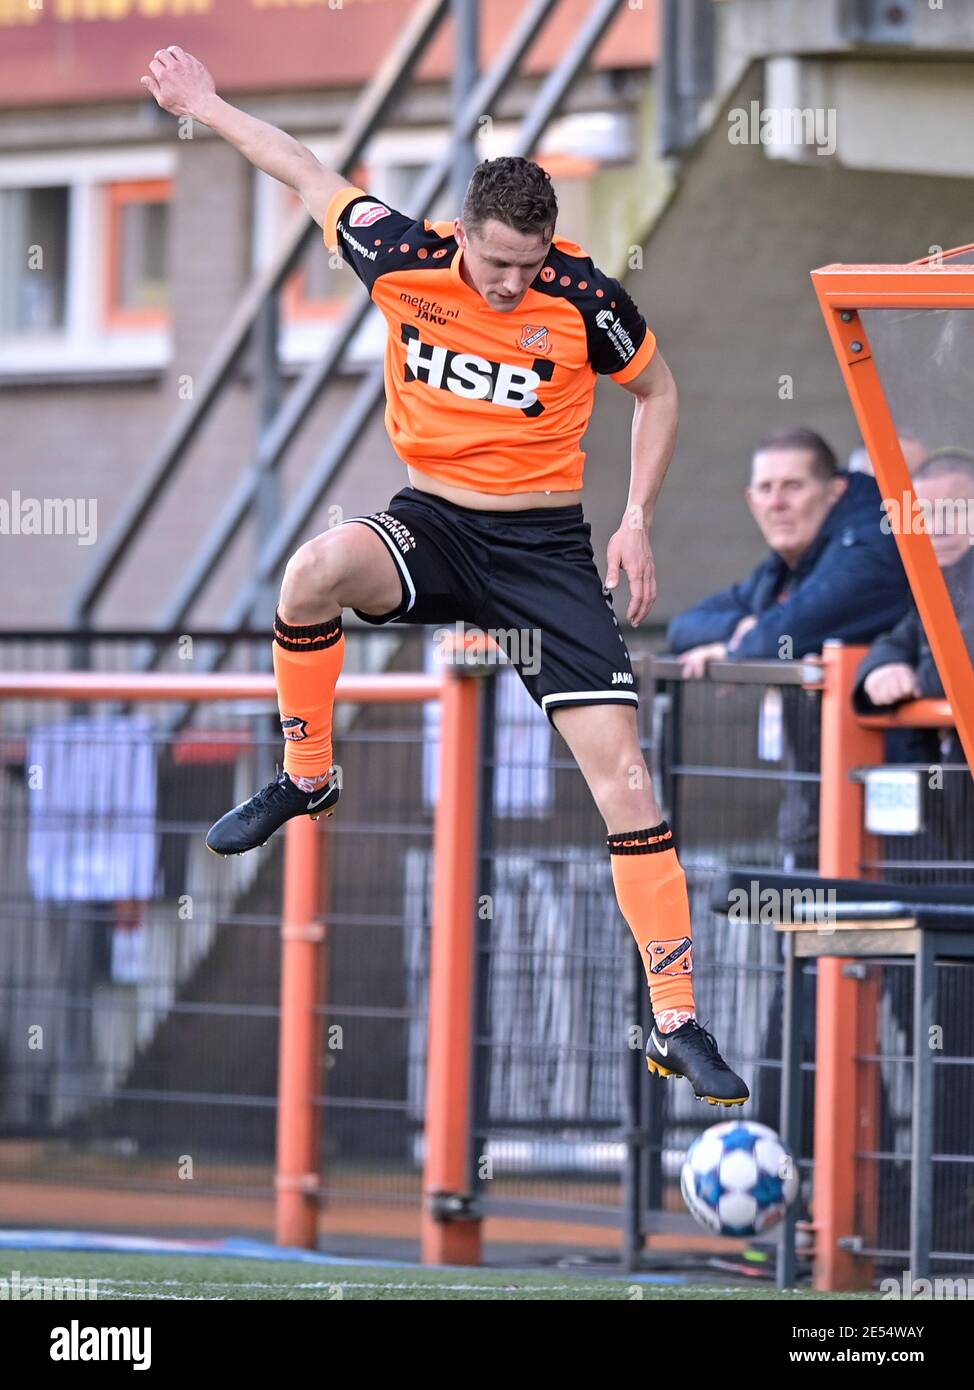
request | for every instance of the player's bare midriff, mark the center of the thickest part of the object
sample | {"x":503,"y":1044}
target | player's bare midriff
{"x":491,"y":501}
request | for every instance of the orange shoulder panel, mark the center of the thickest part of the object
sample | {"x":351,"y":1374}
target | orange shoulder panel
{"x":336,"y":207}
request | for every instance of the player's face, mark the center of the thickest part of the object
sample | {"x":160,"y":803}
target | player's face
{"x":787,"y":500}
{"x":948,"y":522}
{"x":499,"y":262}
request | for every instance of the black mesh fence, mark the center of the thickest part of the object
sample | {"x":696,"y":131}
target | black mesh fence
{"x":139,"y":975}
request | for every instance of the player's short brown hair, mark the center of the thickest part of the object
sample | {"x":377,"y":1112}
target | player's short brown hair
{"x":514,"y":191}
{"x":825,"y":465}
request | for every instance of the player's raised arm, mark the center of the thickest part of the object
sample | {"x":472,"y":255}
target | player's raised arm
{"x":183,"y":86}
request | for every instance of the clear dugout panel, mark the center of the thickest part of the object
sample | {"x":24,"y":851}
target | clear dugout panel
{"x":925,"y":361}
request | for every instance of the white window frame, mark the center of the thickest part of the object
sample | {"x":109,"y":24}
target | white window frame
{"x":84,"y":344}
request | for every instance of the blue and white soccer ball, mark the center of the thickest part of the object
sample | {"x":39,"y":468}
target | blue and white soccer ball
{"x":739,"y":1178}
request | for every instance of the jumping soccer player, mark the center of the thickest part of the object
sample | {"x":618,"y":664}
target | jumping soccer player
{"x":497,"y":331}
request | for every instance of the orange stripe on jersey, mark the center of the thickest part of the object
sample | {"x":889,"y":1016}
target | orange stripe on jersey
{"x":497,"y":402}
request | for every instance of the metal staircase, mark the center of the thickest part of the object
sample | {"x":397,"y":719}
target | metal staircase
{"x":255,"y":323}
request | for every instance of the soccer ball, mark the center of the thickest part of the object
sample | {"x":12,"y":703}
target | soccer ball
{"x":739,"y":1178}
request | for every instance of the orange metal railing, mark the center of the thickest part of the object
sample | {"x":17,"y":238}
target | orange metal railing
{"x":303,"y":940}
{"x":847,"y":1098}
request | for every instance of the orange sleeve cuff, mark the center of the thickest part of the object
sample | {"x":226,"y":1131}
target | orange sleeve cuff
{"x":336,"y":207}
{"x":642,"y":359}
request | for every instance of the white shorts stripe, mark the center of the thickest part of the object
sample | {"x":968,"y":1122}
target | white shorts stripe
{"x":367,"y":521}
{"x":629,"y":696}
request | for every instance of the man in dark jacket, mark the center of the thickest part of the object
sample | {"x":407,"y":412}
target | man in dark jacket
{"x":900,"y":666}
{"x":832,"y":572}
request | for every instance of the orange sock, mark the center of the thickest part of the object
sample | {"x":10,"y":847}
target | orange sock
{"x":651,"y":888}
{"x":307,"y":663}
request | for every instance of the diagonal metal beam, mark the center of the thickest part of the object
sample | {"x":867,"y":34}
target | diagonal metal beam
{"x":300,"y":400}
{"x":324,"y":471}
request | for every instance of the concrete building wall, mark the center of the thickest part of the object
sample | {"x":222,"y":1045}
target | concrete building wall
{"x":725,"y":285}
{"x":93,"y":437}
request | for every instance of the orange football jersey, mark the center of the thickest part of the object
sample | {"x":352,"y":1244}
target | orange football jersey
{"x":497,"y":402}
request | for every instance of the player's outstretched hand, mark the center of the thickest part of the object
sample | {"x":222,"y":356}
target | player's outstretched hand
{"x":179,"y":82}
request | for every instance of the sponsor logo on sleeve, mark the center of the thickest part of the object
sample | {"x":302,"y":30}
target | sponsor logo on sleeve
{"x":611,"y":324}
{"x":367,"y":213}
{"x":355,"y":244}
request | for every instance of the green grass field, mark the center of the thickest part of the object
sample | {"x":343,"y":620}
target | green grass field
{"x":139,"y":1277}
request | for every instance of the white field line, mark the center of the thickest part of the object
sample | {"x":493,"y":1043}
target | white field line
{"x":349,"y":1284}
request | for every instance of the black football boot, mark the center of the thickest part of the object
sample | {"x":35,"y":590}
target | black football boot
{"x":253,"y":822}
{"x":691,"y":1051}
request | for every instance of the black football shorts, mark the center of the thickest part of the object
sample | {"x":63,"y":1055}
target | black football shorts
{"x":526,"y":578}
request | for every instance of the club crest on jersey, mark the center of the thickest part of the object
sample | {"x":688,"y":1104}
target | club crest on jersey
{"x":673,"y":957}
{"x":364,"y":214}
{"x":474,"y":377}
{"x":534,"y":337}
{"x":293,"y":728}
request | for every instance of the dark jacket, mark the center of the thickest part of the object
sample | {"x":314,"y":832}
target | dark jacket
{"x":907,"y":642}
{"x":848,"y":585}
{"x":946,"y":839}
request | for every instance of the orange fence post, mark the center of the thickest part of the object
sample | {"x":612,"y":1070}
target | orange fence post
{"x":839,"y":1129}
{"x":450,"y":1232}
{"x":302,"y":946}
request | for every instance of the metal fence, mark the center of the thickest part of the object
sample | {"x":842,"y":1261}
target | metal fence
{"x":738,"y":767}
{"x":139,"y":975}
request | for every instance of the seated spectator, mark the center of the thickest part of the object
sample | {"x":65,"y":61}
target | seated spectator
{"x":832,"y":572}
{"x":900,"y":665}
{"x":914,"y":453}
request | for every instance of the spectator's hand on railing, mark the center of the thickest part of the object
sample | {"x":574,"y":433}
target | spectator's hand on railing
{"x":887,"y":685}
{"x":179,"y":82}
{"x":693,"y":663}
{"x":742,"y":629}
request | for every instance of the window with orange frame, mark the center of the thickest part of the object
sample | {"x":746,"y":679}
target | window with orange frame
{"x":137,"y":254}
{"x":315,"y":291}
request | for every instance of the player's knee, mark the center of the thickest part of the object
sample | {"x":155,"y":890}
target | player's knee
{"x":622,"y":773}
{"x":311,"y":577}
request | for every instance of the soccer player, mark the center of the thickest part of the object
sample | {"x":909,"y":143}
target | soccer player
{"x":497,"y":332}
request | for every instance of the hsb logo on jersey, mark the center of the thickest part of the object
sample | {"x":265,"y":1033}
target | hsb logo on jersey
{"x":365,"y":214}
{"x":475,"y":377}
